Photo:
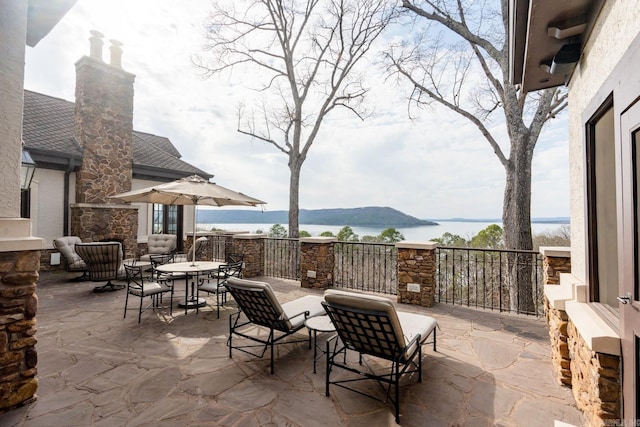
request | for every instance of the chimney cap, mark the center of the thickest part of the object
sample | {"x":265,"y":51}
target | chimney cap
{"x":95,"y":44}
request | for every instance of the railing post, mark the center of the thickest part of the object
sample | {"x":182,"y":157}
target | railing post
{"x":557,"y":260}
{"x":316,"y":262}
{"x":251,"y":246}
{"x":417,"y":272}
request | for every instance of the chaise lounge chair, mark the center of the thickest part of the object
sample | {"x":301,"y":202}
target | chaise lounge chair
{"x":370,"y":325}
{"x":259,"y":305}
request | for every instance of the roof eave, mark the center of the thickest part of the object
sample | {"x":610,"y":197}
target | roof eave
{"x":157,"y":174}
{"x":538,"y":29}
{"x":43,"y":15}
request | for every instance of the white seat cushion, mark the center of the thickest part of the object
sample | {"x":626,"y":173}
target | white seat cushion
{"x":310,"y":303}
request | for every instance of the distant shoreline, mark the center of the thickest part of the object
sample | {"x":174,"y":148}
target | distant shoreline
{"x":554,"y":220}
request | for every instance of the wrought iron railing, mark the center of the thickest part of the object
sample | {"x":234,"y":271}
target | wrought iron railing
{"x":369,"y":267}
{"x":282,"y":258}
{"x":217,"y":247}
{"x":504,"y":280}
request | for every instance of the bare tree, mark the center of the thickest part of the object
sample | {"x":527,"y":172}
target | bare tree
{"x":462,"y":41}
{"x":307,"y":53}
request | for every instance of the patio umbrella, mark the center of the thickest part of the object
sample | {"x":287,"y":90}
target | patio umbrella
{"x":192,"y":190}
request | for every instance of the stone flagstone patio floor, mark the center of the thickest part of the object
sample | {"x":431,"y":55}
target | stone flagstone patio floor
{"x":97,"y":369}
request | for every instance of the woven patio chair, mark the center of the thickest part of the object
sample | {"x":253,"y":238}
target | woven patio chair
{"x":259,"y":305}
{"x":104,"y":262}
{"x":371,"y":326}
{"x":160,"y":244}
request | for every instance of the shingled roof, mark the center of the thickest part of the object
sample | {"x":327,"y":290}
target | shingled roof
{"x":48,"y":134}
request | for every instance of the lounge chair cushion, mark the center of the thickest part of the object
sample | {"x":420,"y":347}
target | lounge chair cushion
{"x":310,"y":303}
{"x":289,"y":311}
{"x":67,"y":247}
{"x":405,"y":325}
{"x":159,"y":244}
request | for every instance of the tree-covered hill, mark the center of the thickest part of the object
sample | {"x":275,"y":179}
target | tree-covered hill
{"x":356,"y":217}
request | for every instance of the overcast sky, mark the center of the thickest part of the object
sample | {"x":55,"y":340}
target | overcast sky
{"x":436,"y":166}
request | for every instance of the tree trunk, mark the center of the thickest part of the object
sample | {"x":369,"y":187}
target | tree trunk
{"x":516,"y":218}
{"x":294,"y":196}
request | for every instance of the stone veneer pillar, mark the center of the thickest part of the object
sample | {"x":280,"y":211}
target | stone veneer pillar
{"x":417,"y":273}
{"x":316,"y":262}
{"x":19,"y":265}
{"x":104,"y":130}
{"x":556,"y":261}
{"x":251,"y":246}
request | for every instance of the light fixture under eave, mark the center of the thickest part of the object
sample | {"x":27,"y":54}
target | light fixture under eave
{"x":566,"y":59}
{"x":27,"y":169}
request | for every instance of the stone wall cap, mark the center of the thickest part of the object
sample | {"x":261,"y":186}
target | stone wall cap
{"x":21,"y":244}
{"x":318,"y":239}
{"x":416,"y":244}
{"x":556,"y":251}
{"x":599,"y":336}
{"x":103,"y":206}
{"x":558,"y":295}
{"x":250,"y":236}
{"x":89,"y":61}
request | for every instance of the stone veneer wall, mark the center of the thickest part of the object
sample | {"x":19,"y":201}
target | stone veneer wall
{"x":251,"y":246}
{"x":18,"y":307}
{"x":595,"y":379}
{"x":417,"y":266}
{"x":95,"y":223}
{"x":557,"y":261}
{"x":558,"y":321}
{"x":316,"y":262}
{"x":553,"y":267}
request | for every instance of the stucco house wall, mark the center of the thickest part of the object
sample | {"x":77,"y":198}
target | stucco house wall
{"x":612,"y":34}
{"x":47,"y":204}
{"x":13,"y":27}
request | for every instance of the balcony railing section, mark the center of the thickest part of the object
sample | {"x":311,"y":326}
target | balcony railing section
{"x":282,"y":258}
{"x":368,"y":267}
{"x":504,"y":280}
{"x":217,"y":247}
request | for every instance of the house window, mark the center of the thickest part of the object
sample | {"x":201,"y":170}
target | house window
{"x":167,"y":219}
{"x":602,"y":221}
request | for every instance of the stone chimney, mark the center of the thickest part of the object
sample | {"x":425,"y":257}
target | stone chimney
{"x":104,"y":130}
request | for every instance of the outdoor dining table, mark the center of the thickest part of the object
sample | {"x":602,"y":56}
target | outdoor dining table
{"x":191,"y":270}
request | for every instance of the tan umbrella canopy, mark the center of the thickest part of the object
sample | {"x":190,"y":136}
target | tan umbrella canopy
{"x":192,"y":190}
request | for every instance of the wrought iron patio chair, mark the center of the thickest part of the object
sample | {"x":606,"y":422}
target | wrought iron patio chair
{"x":259,"y":305}
{"x":232,"y":258}
{"x":199,"y":246}
{"x":371,"y":326}
{"x":138,"y":287}
{"x":104,"y":262}
{"x":216,"y":281}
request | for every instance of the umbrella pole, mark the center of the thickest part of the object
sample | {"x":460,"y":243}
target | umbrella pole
{"x":193,"y":240}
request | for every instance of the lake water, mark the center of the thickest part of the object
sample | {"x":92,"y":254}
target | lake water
{"x":422,"y":233}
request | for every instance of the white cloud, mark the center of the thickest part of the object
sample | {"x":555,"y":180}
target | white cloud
{"x":435,"y":166}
